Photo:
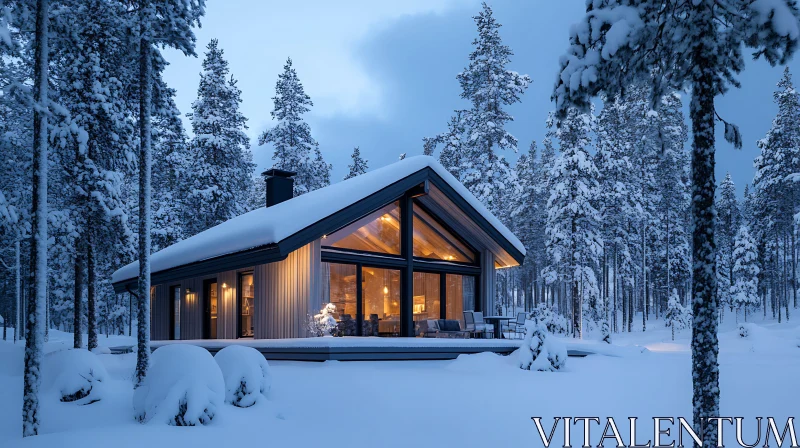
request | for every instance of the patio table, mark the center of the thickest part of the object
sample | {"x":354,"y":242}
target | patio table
{"x":497,"y":322}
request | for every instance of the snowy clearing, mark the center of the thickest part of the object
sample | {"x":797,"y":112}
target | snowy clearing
{"x":645,"y":375}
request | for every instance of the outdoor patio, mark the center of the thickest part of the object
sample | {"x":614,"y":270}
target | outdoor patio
{"x":363,"y":348}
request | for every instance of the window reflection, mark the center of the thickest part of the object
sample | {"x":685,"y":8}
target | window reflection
{"x":432,"y":240}
{"x":381,"y":291}
{"x":248,"y":306}
{"x":426,"y":296}
{"x":377,"y":232}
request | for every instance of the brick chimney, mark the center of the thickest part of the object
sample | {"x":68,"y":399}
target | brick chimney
{"x":280,"y":185}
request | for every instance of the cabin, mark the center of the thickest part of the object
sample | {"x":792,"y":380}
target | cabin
{"x":389,"y":248}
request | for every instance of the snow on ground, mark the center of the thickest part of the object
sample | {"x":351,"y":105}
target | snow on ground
{"x":475,"y":400}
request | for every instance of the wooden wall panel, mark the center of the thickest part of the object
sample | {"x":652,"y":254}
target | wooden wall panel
{"x":159,"y":313}
{"x":284,"y":291}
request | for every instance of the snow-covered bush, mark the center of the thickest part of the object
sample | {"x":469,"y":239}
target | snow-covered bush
{"x":183,"y":387}
{"x":323,"y":324}
{"x":605,"y":328}
{"x":553,"y":322}
{"x":540,"y":352}
{"x":77,"y":375}
{"x":246,"y":375}
{"x":744,"y":330}
{"x":678,"y":317}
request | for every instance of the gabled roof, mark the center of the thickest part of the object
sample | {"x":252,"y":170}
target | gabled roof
{"x":263,"y":232}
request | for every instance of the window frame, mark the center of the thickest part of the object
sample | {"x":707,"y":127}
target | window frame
{"x":239,"y":290}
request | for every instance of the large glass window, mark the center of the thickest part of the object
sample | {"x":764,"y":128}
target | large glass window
{"x":427,"y":296}
{"x":377,"y":232}
{"x":381,"y":292}
{"x":432,"y":240}
{"x":460,"y":296}
{"x":341,"y":291}
{"x":247,"y":309}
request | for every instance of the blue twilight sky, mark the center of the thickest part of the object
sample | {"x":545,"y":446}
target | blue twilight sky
{"x":382,"y":73}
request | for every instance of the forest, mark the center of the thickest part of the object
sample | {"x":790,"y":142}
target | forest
{"x":620,"y":212}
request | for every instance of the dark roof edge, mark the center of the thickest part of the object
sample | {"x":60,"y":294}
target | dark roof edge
{"x":325,"y":226}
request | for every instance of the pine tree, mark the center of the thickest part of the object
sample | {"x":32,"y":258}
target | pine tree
{"x":291,"y":137}
{"x":220,"y":148}
{"x":359,"y":165}
{"x":37,"y":296}
{"x":728,"y":223}
{"x":573,"y":223}
{"x":689,"y":44}
{"x":489,"y":86}
{"x":453,"y":149}
{"x":744,"y":291}
{"x":166,"y":23}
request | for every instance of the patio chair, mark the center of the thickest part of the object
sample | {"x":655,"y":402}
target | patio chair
{"x":469,"y":323}
{"x":481,"y":325}
{"x":518,"y":326}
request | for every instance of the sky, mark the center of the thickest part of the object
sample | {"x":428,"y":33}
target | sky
{"x":382,"y":74}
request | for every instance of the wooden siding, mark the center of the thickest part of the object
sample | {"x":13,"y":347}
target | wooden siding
{"x":286,"y":293}
{"x":159,"y":312}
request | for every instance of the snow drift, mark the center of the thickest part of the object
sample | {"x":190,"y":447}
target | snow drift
{"x":183,"y":387}
{"x":77,"y":375}
{"x":246,"y":375}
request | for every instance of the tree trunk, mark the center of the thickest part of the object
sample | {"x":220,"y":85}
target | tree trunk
{"x":785,"y":277}
{"x":794,"y":268}
{"x":145,"y":162}
{"x":77,"y":295}
{"x":18,"y":289}
{"x":34,"y":343}
{"x":91,"y":295}
{"x":705,"y":344}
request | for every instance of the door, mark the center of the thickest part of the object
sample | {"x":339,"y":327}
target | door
{"x":210,"y":310}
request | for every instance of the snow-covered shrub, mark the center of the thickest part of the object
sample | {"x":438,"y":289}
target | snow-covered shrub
{"x":555,"y":323}
{"x":246,"y":374}
{"x":744,"y":330}
{"x":77,"y":375}
{"x":183,"y":387}
{"x":540,"y":352}
{"x":606,"y":331}
{"x":323,"y":323}
{"x":678,"y":316}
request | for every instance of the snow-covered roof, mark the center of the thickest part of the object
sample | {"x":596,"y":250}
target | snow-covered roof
{"x":268,"y":225}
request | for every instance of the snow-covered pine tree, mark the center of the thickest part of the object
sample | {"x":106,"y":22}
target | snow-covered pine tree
{"x":573,"y":229}
{"x":744,"y":291}
{"x":452,"y":146}
{"x":291,"y":137}
{"x":358,"y":166}
{"x":168,"y":23}
{"x":619,"y":200}
{"x":727,"y":225}
{"x":16,"y":140}
{"x":489,"y":86}
{"x":220,"y":150}
{"x":776,"y":191}
{"x":97,"y":136}
{"x":37,"y":296}
{"x":319,"y":171}
{"x":172,"y":205}
{"x":672,"y":258}
{"x":690,"y":44}
{"x":677,"y":316}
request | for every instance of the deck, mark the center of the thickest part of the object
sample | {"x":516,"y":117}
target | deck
{"x":362,"y":348}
